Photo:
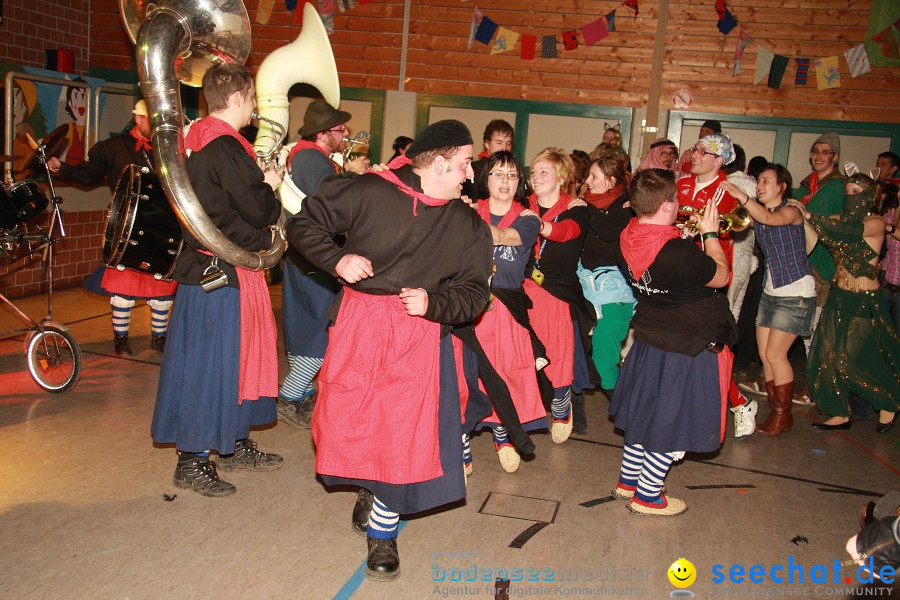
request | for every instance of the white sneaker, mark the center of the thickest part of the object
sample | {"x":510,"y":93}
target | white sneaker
{"x":745,"y":418}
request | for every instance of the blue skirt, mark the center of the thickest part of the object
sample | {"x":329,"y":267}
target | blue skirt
{"x":305,"y":303}
{"x":197,"y":400}
{"x":451,"y":486}
{"x":669,"y":402}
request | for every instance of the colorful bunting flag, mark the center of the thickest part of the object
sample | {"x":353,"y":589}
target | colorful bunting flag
{"x":594,"y":32}
{"x":345,"y":5}
{"x":828,"y":74}
{"x":527,"y":47}
{"x":290,"y":5}
{"x":776,"y":72}
{"x":611,"y":21}
{"x":858,"y":61}
{"x":264,"y":11}
{"x":548,"y":46}
{"x":505,"y":41}
{"x":802,"y":71}
{"x":742,"y":43}
{"x":476,"y":21}
{"x":763,"y":64}
{"x":326,"y":11}
{"x":727,"y":23}
{"x":298,"y":13}
{"x":570,"y":39}
{"x":632,"y":4}
{"x":721,"y":9}
{"x":485,"y":30}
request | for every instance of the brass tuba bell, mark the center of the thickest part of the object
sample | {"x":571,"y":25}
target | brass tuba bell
{"x":179,"y":40}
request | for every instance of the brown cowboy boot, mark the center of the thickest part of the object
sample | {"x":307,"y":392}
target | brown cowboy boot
{"x":780,"y":419}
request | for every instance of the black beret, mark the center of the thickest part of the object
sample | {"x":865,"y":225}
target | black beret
{"x":443,"y":134}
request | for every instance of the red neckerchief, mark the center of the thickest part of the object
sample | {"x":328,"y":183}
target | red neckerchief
{"x":641,"y":242}
{"x":307,"y":145}
{"x":813,"y":187}
{"x":484,"y":211}
{"x":209,"y":128}
{"x":141,"y":141}
{"x":602,"y":201}
{"x":417,"y":197}
{"x":483,"y":154}
{"x":557,"y":209}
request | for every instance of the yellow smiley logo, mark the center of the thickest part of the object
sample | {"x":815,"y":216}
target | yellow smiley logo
{"x":682,"y":573}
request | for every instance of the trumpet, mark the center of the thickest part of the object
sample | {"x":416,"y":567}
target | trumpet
{"x":275,"y":132}
{"x":737,"y":220}
{"x":360,"y":139}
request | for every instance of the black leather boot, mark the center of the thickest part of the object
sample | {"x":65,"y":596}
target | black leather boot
{"x":383,"y":563}
{"x":122,"y":347}
{"x":579,"y":418}
{"x":361,"y":511}
{"x":158,"y":342}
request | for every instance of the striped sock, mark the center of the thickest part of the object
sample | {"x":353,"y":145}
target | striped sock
{"x":653,"y":473}
{"x":382,"y":522}
{"x":467,"y":450}
{"x":632,"y":460}
{"x":159,"y":315}
{"x":501,"y":438}
{"x":296,"y":385}
{"x":121,"y":314}
{"x":562,"y":404}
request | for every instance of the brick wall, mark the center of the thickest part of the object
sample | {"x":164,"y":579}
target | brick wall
{"x":75,"y":257}
{"x":32,"y":26}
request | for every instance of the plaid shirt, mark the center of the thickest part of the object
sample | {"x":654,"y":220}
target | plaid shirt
{"x":891,"y":263}
{"x":785,"y":250}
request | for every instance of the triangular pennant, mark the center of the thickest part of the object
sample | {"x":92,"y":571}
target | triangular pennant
{"x":264,"y":11}
{"x":742,"y":43}
{"x":887,"y":41}
{"x":594,"y":32}
{"x":548,"y":46}
{"x":570,"y":39}
{"x":828,"y":74}
{"x":632,"y":4}
{"x":802,"y":71}
{"x":326,"y":11}
{"x":290,"y":5}
{"x":728,"y":23}
{"x":505,"y":41}
{"x":298,"y":13}
{"x":527,"y":47}
{"x":763,"y":64}
{"x":477,"y":16}
{"x":721,"y":9}
{"x":776,"y":72}
{"x":345,"y":5}
{"x":611,"y":21}
{"x":485,"y":30}
{"x":858,"y":61}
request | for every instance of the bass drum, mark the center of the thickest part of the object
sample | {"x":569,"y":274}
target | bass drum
{"x":142,"y":231}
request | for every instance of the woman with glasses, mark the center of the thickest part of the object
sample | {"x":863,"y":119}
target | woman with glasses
{"x":561,"y":316}
{"x":789,"y":294}
{"x":601,"y":280}
{"x":503,"y":330}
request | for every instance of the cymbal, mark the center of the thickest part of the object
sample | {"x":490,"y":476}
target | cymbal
{"x":9,"y":157}
{"x":54,"y":142}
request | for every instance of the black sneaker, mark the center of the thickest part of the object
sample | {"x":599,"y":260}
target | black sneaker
{"x":246,"y":456}
{"x":122,"y":347}
{"x":383,"y":562}
{"x":158,"y":342}
{"x":296,"y":414}
{"x":361,"y":511}
{"x":199,"y":474}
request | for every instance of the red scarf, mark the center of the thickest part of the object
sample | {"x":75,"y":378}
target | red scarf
{"x":483,"y":154}
{"x":307,"y":145}
{"x":604,"y":200}
{"x":813,"y":183}
{"x":484,"y":211}
{"x":641,"y":242}
{"x":557,"y":209}
{"x":141,"y":141}
{"x":209,"y":128}
{"x":417,"y":197}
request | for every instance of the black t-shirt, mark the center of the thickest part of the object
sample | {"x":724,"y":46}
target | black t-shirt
{"x":676,"y":311}
{"x":559,"y":260}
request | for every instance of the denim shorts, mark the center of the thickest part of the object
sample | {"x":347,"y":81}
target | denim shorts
{"x":791,"y":314}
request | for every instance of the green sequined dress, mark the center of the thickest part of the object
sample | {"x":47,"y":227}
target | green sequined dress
{"x":855,"y":347}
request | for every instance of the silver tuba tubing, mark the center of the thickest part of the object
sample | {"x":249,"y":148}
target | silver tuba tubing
{"x":165,"y":36}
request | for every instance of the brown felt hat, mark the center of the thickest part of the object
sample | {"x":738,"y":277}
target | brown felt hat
{"x":321,"y":116}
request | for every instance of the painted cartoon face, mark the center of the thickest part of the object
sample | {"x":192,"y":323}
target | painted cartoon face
{"x":682,"y":573}
{"x":77,"y":105}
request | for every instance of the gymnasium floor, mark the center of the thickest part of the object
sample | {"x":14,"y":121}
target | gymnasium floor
{"x":88,"y":508}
